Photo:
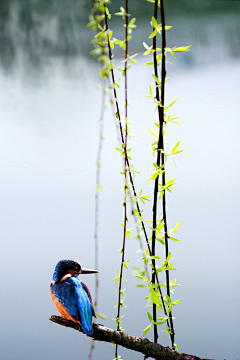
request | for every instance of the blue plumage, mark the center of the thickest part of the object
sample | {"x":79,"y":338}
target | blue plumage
{"x":71,"y":296}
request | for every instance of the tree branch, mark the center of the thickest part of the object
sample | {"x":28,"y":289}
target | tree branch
{"x":129,"y":167}
{"x":142,"y":345}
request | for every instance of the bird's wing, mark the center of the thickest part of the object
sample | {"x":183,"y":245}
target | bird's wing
{"x":85,"y":306}
{"x":89,"y":297}
{"x":75,"y":297}
{"x":65,"y":293}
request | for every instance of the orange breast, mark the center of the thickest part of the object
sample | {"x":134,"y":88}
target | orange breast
{"x":60,"y":308}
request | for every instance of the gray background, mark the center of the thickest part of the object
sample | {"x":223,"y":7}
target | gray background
{"x":49,"y":128}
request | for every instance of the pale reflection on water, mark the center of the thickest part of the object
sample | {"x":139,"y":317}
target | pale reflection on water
{"x":48,"y":145}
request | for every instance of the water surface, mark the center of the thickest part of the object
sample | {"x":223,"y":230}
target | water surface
{"x":48,"y":145}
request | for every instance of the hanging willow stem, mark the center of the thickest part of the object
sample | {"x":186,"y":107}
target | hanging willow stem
{"x":125,"y":172}
{"x":160,"y":157}
{"x":129,"y":169}
{"x":163,"y":76}
{"x":156,"y":180}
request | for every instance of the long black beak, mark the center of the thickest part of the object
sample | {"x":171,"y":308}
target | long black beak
{"x":88,"y":271}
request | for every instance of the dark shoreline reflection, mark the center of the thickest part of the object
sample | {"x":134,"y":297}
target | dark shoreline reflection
{"x":33,"y":33}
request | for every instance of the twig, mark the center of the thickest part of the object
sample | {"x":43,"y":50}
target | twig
{"x":142,"y":345}
{"x":129,"y":169}
{"x":139,"y":237}
{"x":97,"y":205}
{"x":98,"y":164}
{"x":121,"y":133}
{"x":156,"y":180}
{"x":132,"y":201}
{"x":160,"y":155}
{"x":125,"y":172}
{"x":163,"y":75}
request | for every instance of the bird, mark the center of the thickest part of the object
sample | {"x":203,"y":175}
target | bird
{"x":71,"y":296}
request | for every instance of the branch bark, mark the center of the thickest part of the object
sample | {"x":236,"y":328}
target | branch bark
{"x":142,"y":345}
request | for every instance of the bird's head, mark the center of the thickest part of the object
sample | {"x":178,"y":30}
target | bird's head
{"x":69,"y":268}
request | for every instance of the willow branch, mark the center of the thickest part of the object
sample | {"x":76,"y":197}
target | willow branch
{"x":125,"y":173}
{"x":156,"y":180}
{"x":142,"y":345}
{"x":163,"y":76}
{"x":98,"y":164}
{"x":160,"y":146}
{"x":160,"y":156}
{"x":121,"y":134}
{"x":132,"y":198}
{"x":129,"y":168}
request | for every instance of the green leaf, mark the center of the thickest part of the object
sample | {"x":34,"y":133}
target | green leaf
{"x":181,"y":48}
{"x":174,"y":239}
{"x":168,"y":299}
{"x":99,"y":187}
{"x":161,"y":240}
{"x":154,"y":33}
{"x":175,"y":347}
{"x":144,"y":197}
{"x":154,"y":297}
{"x":170,"y":51}
{"x":170,"y":182}
{"x":128,"y":232}
{"x":174,"y":150}
{"x":153,"y":257}
{"x":150,"y":90}
{"x":172,"y":102}
{"x":179,"y":151}
{"x":153,"y":176}
{"x":144,"y":278}
{"x":147,"y":330}
{"x":132,"y":60}
{"x":169,"y":267}
{"x":125,"y":263}
{"x":156,"y":79}
{"x":132,"y":21}
{"x":118,"y":42}
{"x":122,"y":292}
{"x":167,"y":331}
{"x":152,"y":133}
{"x":154,"y":22}
{"x":160,"y":322}
{"x":175,"y":302}
{"x":117,"y":277}
{"x":175,"y":147}
{"x":146,"y":46}
{"x":149,"y":63}
{"x":156,"y":174}
{"x":118,"y":149}
{"x":150,"y":317}
{"x":102,"y":316}
{"x":176,"y":227}
{"x":159,"y":58}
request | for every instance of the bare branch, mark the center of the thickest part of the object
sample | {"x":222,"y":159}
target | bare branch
{"x":142,"y":345}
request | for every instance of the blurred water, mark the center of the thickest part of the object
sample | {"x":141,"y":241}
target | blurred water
{"x":48,"y":145}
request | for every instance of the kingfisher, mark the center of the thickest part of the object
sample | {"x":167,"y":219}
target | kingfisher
{"x":71,"y":296}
